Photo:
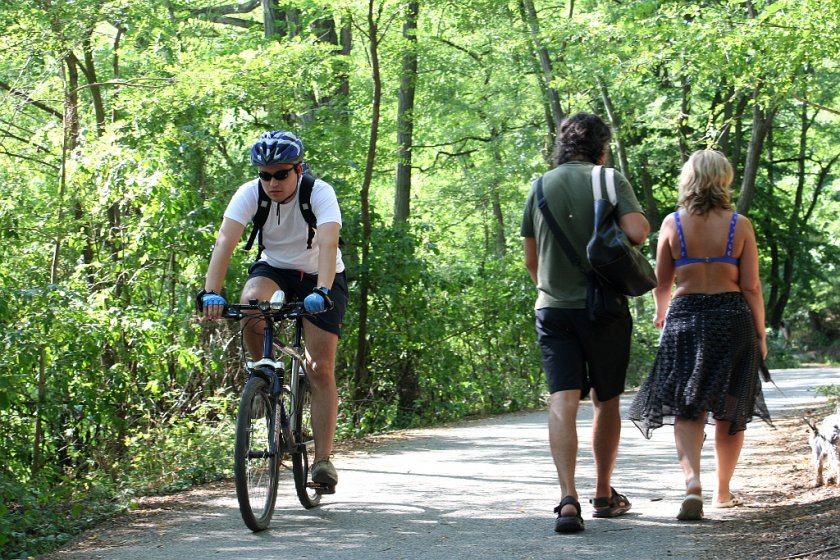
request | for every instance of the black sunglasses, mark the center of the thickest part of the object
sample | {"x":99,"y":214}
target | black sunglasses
{"x":279,"y":175}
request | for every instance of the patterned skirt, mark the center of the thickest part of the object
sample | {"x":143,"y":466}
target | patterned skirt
{"x":708,"y":360}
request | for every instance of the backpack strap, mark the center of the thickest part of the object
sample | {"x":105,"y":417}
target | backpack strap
{"x":598,"y":185}
{"x":610,"y":176}
{"x":307,"y":182}
{"x":263,"y":208}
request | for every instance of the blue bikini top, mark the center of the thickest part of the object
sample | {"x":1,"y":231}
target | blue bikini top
{"x":727,"y":258}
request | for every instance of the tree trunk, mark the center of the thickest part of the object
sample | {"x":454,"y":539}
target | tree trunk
{"x":408,"y":389}
{"x":761,"y":123}
{"x":684,"y":130}
{"x":405,"y":114}
{"x":771,"y":239}
{"x":69,"y":143}
{"x":530,"y":15}
{"x":615,"y":123}
{"x":116,"y":68}
{"x":270,"y":17}
{"x":324,"y":31}
{"x":498,"y":225}
{"x":292,"y":17}
{"x":362,"y":382}
{"x":726,"y":112}
{"x":346,"y":42}
{"x":795,"y":225}
{"x":646,"y":182}
{"x":89,"y":70}
{"x":39,"y":429}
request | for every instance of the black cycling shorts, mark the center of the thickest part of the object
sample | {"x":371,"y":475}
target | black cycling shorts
{"x":580,"y":354}
{"x":298,"y":285}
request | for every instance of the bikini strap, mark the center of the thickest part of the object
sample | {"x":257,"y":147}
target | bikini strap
{"x":683,"y":252}
{"x":731,"y":239}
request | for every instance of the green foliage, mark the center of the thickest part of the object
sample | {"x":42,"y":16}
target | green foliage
{"x":780,"y":355}
{"x":39,"y":517}
{"x":830,"y":391}
{"x":644,"y":344}
{"x":168,"y":453}
{"x":450,"y":362}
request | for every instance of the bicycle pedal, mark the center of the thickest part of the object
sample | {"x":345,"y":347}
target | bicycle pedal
{"x":321,"y":488}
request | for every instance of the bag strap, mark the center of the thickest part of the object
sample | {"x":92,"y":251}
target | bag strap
{"x":263,"y":207}
{"x":598,"y":185}
{"x":555,"y":228}
{"x":307,"y":182}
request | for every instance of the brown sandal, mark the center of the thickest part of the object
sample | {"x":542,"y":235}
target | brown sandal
{"x":617,"y":504}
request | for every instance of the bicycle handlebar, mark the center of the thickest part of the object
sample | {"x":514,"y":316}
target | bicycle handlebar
{"x":289,"y":310}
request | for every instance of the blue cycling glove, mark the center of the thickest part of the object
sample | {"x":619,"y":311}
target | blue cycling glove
{"x":211,"y":299}
{"x":318,"y":301}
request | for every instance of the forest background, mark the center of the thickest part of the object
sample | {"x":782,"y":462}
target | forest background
{"x":125,"y":128}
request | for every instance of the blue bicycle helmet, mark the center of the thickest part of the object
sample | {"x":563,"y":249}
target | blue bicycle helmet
{"x":279,"y":146}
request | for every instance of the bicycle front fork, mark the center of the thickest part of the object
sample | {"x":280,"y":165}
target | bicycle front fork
{"x":281,"y":417}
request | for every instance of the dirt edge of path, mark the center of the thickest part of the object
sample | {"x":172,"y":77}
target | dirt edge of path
{"x":786,"y":516}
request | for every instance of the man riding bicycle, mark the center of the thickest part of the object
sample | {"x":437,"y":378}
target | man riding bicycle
{"x":309,"y":269}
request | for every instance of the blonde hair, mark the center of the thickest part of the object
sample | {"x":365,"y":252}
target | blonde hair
{"x":705,"y":181}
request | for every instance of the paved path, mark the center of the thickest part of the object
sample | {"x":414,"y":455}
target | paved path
{"x":482,"y":489}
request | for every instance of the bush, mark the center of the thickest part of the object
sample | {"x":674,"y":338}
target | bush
{"x":163,"y":454}
{"x":830,"y":391}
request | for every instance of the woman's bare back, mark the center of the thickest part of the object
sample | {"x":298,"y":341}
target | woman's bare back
{"x":706,"y":236}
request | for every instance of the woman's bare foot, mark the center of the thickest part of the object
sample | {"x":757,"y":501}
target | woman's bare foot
{"x":727,"y":502}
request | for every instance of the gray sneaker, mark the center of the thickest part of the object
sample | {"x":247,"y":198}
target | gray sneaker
{"x":323,"y":472}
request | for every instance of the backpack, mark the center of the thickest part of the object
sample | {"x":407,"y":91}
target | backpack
{"x":307,"y":182}
{"x":610,"y":253}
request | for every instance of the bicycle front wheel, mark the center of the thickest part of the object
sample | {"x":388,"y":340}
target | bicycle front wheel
{"x":256,"y":455}
{"x":305,"y":439}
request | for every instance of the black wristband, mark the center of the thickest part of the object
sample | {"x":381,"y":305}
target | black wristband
{"x":328,"y":303}
{"x":199,"y":304}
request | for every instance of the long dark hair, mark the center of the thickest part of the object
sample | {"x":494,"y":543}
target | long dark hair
{"x":581,"y":136}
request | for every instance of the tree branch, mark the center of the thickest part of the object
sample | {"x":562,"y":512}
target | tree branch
{"x":8,"y":134}
{"x":219,"y":14}
{"x":817,"y":105}
{"x":28,"y":158}
{"x":243,"y":8}
{"x":478,"y":58}
{"x":821,"y":180}
{"x":29,"y":100}
{"x":224,"y":20}
{"x":133,"y":82}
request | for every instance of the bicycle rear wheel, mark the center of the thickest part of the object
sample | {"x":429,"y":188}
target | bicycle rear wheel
{"x":256,"y":456}
{"x":305,"y":439}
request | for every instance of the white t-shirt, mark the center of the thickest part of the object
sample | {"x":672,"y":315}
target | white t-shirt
{"x":285,"y":231}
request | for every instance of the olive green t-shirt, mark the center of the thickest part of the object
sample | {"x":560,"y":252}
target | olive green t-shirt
{"x":568,"y":192}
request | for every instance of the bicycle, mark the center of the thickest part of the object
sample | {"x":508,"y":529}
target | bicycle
{"x":274,"y":418}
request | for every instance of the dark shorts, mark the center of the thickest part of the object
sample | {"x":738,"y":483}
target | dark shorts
{"x":580,"y":354}
{"x":298,"y":285}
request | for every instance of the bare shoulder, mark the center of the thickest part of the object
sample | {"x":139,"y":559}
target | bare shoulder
{"x":744,"y":225}
{"x":667,"y":223}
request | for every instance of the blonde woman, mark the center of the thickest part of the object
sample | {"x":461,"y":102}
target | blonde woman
{"x":713,"y":338}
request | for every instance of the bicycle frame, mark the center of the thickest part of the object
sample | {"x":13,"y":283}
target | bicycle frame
{"x":268,"y":367}
{"x":283,"y":424}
